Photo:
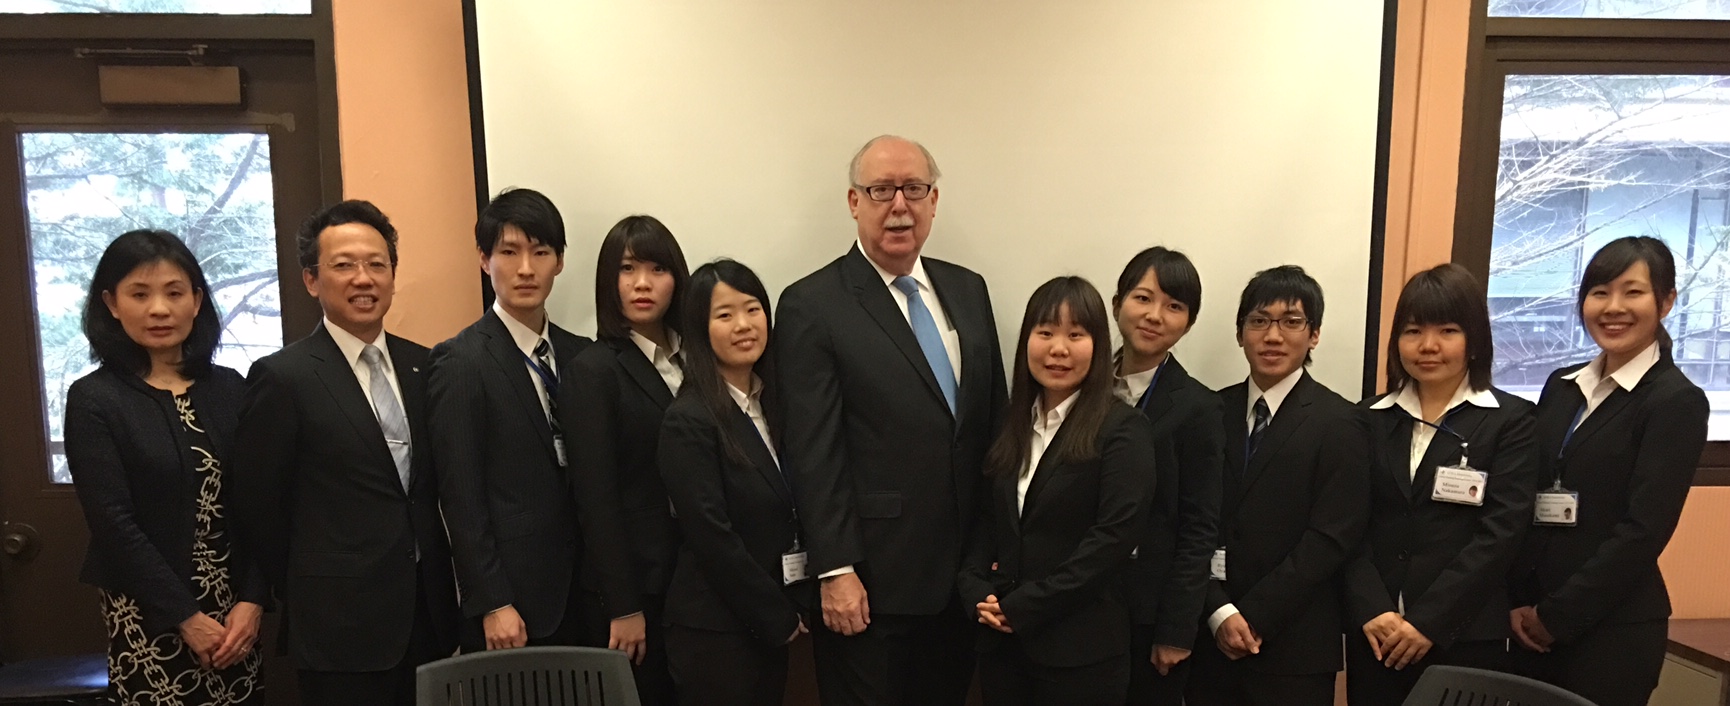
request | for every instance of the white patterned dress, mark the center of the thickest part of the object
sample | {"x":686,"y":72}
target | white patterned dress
{"x":146,"y":670}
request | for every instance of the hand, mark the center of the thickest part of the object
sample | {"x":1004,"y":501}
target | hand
{"x":630,"y":635}
{"x":991,"y":615}
{"x":1380,"y":629}
{"x":1236,"y":639}
{"x":203,"y":635}
{"x":1165,"y":657}
{"x":800,"y":630}
{"x":1406,"y":646}
{"x":242,"y":633}
{"x":504,"y":629}
{"x":1529,"y":630}
{"x":846,"y":609}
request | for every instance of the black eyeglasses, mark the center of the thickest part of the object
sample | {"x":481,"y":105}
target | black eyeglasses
{"x":886,"y":192}
{"x":1258,"y":322}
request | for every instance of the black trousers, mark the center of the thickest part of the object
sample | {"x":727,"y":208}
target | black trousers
{"x":1370,"y":683}
{"x":1611,"y":665}
{"x":900,"y":660}
{"x":1215,"y":680}
{"x":1008,"y":678}
{"x":654,"y":682}
{"x":1147,"y":687}
{"x":712,"y":668}
{"x":391,"y":687}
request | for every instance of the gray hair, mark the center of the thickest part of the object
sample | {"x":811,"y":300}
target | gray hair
{"x":930,"y":162}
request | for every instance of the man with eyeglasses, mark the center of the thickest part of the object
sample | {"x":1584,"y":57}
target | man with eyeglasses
{"x":335,"y":492}
{"x":892,"y":381}
{"x":1296,"y":503}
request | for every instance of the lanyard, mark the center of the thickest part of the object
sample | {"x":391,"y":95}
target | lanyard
{"x":1441,"y":425}
{"x":549,"y":380}
{"x":1562,"y":452}
{"x":1147,"y":394}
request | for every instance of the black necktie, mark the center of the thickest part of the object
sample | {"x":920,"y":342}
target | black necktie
{"x":1262,"y":417}
{"x":549,"y":381}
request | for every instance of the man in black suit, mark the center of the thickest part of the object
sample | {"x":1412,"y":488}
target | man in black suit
{"x":334,"y":485}
{"x":515,"y":528}
{"x":1296,"y":504}
{"x":893,"y":384}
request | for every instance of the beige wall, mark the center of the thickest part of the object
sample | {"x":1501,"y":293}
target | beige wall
{"x":403,"y":111}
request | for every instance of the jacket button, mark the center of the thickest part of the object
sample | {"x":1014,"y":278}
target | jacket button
{"x":1404,"y":555}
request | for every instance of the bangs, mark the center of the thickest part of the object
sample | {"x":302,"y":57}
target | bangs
{"x":654,"y":245}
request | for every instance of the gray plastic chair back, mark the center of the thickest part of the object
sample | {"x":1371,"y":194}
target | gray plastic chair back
{"x":529,"y":676}
{"x":1443,"y":685}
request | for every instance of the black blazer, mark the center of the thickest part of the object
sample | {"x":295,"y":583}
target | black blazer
{"x":1632,"y":462}
{"x":1450,"y":560}
{"x":1055,"y":564}
{"x":317,"y":494}
{"x":887,"y":478}
{"x":1290,"y":521}
{"x":515,"y":531}
{"x":132,"y":466}
{"x":738,"y":520}
{"x":611,"y":408}
{"x":1166,"y":580}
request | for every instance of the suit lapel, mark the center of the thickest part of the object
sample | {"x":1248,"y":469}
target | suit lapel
{"x":641,"y":371}
{"x":1159,"y":397}
{"x":1048,"y":465}
{"x":1236,"y":402}
{"x":1607,"y":410}
{"x":337,"y":375}
{"x":1396,"y":450}
{"x":974,"y":349}
{"x":874,"y":297}
{"x":745,"y":433}
{"x":509,"y":358}
{"x":1285,"y":422}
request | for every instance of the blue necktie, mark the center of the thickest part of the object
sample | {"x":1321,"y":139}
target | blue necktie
{"x":930,"y":342}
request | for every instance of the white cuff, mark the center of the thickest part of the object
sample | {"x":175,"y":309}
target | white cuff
{"x":848,"y":569}
{"x":1219,"y":616}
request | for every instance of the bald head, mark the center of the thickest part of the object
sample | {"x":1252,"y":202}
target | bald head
{"x":893,"y":231}
{"x":853,"y":168}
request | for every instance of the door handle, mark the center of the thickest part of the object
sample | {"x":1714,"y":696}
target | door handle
{"x":19,"y":541}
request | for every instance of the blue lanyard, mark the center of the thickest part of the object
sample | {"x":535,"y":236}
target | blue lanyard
{"x":549,"y":381}
{"x":1579,"y":414}
{"x":1147,"y":394}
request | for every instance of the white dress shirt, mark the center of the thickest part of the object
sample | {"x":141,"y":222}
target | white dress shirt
{"x":1597,"y":388}
{"x":1045,"y":426}
{"x":526,"y":339}
{"x":1275,"y":397}
{"x":351,"y":348}
{"x":1422,"y":434}
{"x":1131,"y":387}
{"x":751,"y":403}
{"x":927,"y":294}
{"x":664,"y":359}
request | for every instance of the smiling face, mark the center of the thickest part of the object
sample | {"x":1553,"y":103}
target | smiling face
{"x":1434,"y":354}
{"x":738,"y":329}
{"x":1059,"y":354}
{"x":1274,"y":352}
{"x":1151,"y":321}
{"x":522,"y":271}
{"x":893,"y":232}
{"x":645,"y":291}
{"x":156,"y":305}
{"x":354,"y":280}
{"x":1623,"y":315}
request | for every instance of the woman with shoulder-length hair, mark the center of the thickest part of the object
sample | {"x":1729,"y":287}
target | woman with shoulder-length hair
{"x":619,"y":390}
{"x":739,"y":586}
{"x":1619,"y":438}
{"x":1453,"y":465}
{"x":146,"y":436}
{"x":1071,"y":473}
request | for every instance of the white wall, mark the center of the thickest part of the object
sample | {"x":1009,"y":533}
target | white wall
{"x":1071,"y":134}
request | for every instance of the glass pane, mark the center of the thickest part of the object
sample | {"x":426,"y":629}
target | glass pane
{"x":1586,"y":160}
{"x":1620,"y":9}
{"x":85,"y":189}
{"x":194,"y":7}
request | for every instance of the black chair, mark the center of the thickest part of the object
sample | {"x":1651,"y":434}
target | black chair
{"x":82,"y":679}
{"x":1443,"y":685}
{"x":543,"y":676}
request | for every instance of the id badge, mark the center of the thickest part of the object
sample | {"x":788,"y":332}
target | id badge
{"x":793,"y":568}
{"x":1557,"y":507}
{"x":1216,"y":568}
{"x":1460,"y":485}
{"x":559,"y":449}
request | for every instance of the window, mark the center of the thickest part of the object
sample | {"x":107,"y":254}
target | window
{"x":1626,"y":9}
{"x":193,"y":7}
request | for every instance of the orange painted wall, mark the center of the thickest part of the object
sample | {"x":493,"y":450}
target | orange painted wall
{"x":403,"y":112}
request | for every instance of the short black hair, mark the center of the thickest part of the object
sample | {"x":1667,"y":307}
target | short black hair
{"x":351,"y":211}
{"x":527,"y":209}
{"x":703,"y":372}
{"x":647,"y":239}
{"x":109,"y":343}
{"x":1444,"y":294}
{"x":1615,"y":258}
{"x":1178,"y":277}
{"x":1278,"y":285}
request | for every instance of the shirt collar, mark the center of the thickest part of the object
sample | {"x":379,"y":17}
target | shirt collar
{"x":525,"y":338}
{"x":1626,"y":376}
{"x":1408,"y":400}
{"x":918,"y":273}
{"x":1276,"y":395}
{"x":351,"y":346}
{"x":1131,"y":387}
{"x":746,"y":400}
{"x":1054,"y":418}
{"x":654,"y":352}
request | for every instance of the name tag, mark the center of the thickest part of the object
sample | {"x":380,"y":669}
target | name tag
{"x":559,"y":448}
{"x":1462,"y":486}
{"x":793,"y":568}
{"x":1557,"y":508}
{"x":1216,"y":568}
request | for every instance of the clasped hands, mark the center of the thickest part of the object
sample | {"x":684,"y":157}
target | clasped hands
{"x":1396,"y":643}
{"x":220,"y":645}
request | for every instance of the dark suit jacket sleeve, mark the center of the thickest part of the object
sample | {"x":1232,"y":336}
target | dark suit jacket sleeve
{"x":1200,"y":445}
{"x":815,"y":443}
{"x":1337,"y":522}
{"x":1670,"y":443}
{"x":588,"y":413}
{"x":457,"y":408}
{"x":1454,"y":599}
{"x":265,"y":456}
{"x":693,"y":468}
{"x":99,"y":474}
{"x":976,"y":579}
{"x":1124,"y":488}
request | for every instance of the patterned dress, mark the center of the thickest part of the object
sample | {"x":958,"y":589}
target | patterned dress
{"x":156,"y":671}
